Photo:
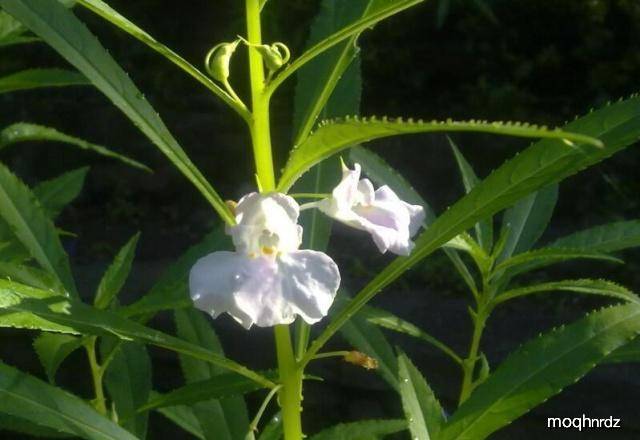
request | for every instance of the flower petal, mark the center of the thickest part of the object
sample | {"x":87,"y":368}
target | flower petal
{"x":265,"y":291}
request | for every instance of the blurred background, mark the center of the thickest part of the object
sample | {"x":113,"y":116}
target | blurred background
{"x":540,"y":61}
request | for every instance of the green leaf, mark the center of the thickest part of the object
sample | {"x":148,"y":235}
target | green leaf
{"x":377,"y":11}
{"x":69,"y":37}
{"x":128,"y":382}
{"x":541,"y":369}
{"x":387,"y":320}
{"x":58,"y":192}
{"x":29,"y":398}
{"x":421,"y":407}
{"x":368,"y":339}
{"x":27,"y":132}
{"x":218,"y":388}
{"x":116,"y":275}
{"x":317,"y":80}
{"x":25,"y":307}
{"x":605,"y":238}
{"x":629,"y":352}
{"x":527,"y":220}
{"x":183,"y":417}
{"x":382,"y":173}
{"x":31,"y":276}
{"x":484,"y":228}
{"x":53,"y":349}
{"x":31,"y":226}
{"x":225,"y":418}
{"x":36,"y":78}
{"x":366,"y":429}
{"x":170,"y":291}
{"x":547,"y":161}
{"x":546,"y":256}
{"x":22,"y":426}
{"x":585,"y":286}
{"x":335,"y":135}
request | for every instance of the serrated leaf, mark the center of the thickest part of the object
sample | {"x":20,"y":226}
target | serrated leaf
{"x":24,"y":396}
{"x":70,"y":37}
{"x":22,"y":426}
{"x":116,"y":275}
{"x":56,"y":193}
{"x":25,"y":307}
{"x":27,"y":132}
{"x":545,"y":162}
{"x":610,"y":237}
{"x":52,"y":349}
{"x":629,"y":352}
{"x":128,"y":382}
{"x":546,"y":256}
{"x":170,"y":291}
{"x":37,"y":78}
{"x":421,"y":407}
{"x":223,"y":385}
{"x":368,"y":339}
{"x":335,"y":135}
{"x":526,"y":221}
{"x":365,"y":429}
{"x":23,"y":213}
{"x":484,"y":228}
{"x":31,"y":276}
{"x":220,"y":418}
{"x":584,"y":286}
{"x":540,"y":369}
{"x":388,"y":320}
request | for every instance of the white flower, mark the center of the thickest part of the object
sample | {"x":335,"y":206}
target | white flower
{"x":390,"y":221}
{"x":267,"y":280}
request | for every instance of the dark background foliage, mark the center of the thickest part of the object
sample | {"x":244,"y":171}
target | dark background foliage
{"x":541,"y":61}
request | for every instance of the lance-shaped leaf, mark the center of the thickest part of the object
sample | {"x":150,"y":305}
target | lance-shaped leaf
{"x":25,"y":307}
{"x":128,"y":382}
{"x":388,"y":320}
{"x":610,"y":237}
{"x":56,"y":193}
{"x":31,"y":276}
{"x":543,"y":257}
{"x":526,"y":221}
{"x":23,"y":426}
{"x":273,"y":430}
{"x":20,"y":209}
{"x":335,"y":135}
{"x":629,"y":352}
{"x":484,"y":228}
{"x":117,"y":273}
{"x":585,"y":286}
{"x":546,"y":162}
{"x":53,"y":349}
{"x":223,"y":419}
{"x":27,"y":132}
{"x":70,"y":37}
{"x":220,"y":386}
{"x":29,"y":398}
{"x":421,"y":407}
{"x":37,"y":78}
{"x":366,"y":429}
{"x":540,"y":369}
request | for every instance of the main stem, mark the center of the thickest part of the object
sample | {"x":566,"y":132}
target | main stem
{"x":290,"y":394}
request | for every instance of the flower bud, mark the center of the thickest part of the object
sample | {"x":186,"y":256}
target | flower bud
{"x":218,"y":60}
{"x":361,"y":359}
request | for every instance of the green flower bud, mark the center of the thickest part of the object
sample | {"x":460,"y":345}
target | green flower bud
{"x":218,"y":60}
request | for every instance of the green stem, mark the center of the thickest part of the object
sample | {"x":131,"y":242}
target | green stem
{"x":330,"y":354}
{"x":291,"y":381}
{"x":469,"y":364}
{"x":259,"y":123}
{"x":96,"y":374}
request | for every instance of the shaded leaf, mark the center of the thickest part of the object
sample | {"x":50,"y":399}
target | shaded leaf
{"x":116,"y":275}
{"x":365,"y":429}
{"x":58,"y":192}
{"x":610,"y":237}
{"x":36,"y":78}
{"x":53,"y":349}
{"x":27,"y":132}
